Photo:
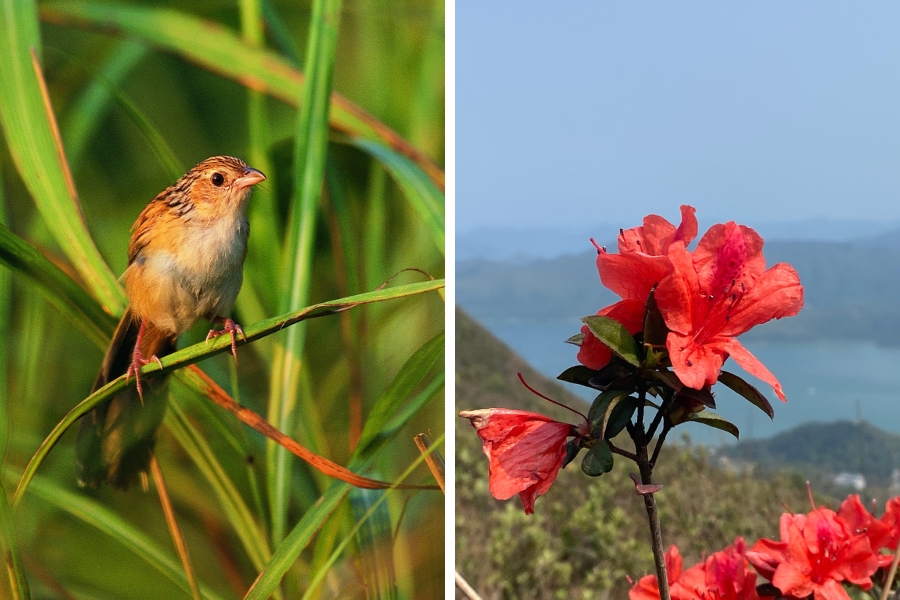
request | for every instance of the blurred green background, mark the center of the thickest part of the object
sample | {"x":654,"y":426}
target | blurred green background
{"x":142,"y":92}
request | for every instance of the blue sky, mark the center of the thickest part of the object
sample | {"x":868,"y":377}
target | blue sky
{"x":579,"y":112}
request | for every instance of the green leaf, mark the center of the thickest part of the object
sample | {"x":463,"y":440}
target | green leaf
{"x":611,"y":411}
{"x":56,"y":287}
{"x":424,"y":197}
{"x":576,"y":340}
{"x":613,"y":334}
{"x":578,"y":374}
{"x":711,"y":419}
{"x":655,"y":330}
{"x":33,"y":140}
{"x":598,"y":460}
{"x":742,"y":388}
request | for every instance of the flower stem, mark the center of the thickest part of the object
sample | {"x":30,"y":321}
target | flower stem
{"x":659,"y":559}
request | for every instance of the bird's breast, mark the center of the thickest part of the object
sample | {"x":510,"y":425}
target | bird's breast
{"x":196,"y":273}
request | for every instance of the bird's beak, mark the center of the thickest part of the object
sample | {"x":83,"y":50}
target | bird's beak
{"x":250,"y":177}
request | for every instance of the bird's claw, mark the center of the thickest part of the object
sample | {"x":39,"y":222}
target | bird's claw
{"x":232,"y":328}
{"x":138,"y":361}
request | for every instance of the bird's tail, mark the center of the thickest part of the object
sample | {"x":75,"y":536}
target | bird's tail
{"x":116,"y":439}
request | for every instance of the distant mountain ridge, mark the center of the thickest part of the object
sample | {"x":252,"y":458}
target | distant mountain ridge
{"x":504,"y":243}
{"x":851,"y":290}
{"x":832,"y":448}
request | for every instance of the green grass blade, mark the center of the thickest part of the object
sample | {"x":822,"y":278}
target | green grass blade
{"x":197,"y":352}
{"x":222,"y":52}
{"x":95,"y":514}
{"x":373,"y":543}
{"x":18,"y":582}
{"x":391,"y":402}
{"x":424,"y":197}
{"x":32,"y":137}
{"x":82,"y":121}
{"x":311,"y":142}
{"x":247,"y":528}
{"x":288,"y":550}
{"x":56,"y":287}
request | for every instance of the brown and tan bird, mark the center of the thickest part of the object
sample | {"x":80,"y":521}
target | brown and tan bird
{"x":185,"y":262}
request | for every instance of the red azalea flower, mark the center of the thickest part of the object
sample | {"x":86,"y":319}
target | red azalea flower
{"x":640,"y":264}
{"x":717,"y":293}
{"x":860,"y":520}
{"x":647,"y":587}
{"x":817,"y":551}
{"x":526,"y":451}
{"x":891,"y":518}
{"x":725,"y":575}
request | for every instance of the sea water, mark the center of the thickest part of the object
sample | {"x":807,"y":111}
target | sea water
{"x":823,"y":381}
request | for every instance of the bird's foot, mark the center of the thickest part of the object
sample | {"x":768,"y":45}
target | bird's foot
{"x":232,"y":328}
{"x":138,"y":361}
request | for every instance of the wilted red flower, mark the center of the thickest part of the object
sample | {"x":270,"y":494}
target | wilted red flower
{"x":526,"y":451}
{"x":721,"y":291}
{"x":817,"y":551}
{"x":641,"y":263}
{"x":724,"y":575}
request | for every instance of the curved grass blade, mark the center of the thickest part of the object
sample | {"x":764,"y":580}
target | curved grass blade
{"x":299,"y":537}
{"x":95,"y":514}
{"x":12,"y":558}
{"x":33,"y":140}
{"x":222,"y":52}
{"x":197,"y":352}
{"x":247,"y":528}
{"x":395,"y":407}
{"x":424,"y":197}
{"x":310,"y":145}
{"x":56,"y":287}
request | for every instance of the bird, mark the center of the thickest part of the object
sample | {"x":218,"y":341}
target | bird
{"x":185,"y":262}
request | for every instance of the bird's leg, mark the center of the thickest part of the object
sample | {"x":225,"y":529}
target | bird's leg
{"x":138,"y":361}
{"x":229,"y":327}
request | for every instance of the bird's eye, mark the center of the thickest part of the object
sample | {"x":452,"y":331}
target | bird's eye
{"x":217,"y":179}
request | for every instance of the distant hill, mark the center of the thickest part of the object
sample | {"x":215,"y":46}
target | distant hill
{"x":826,"y":448}
{"x":851,"y":290}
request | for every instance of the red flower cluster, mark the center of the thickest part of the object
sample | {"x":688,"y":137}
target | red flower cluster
{"x":725,"y":575}
{"x":706,"y":297}
{"x":821,"y":549}
{"x":817,"y":552}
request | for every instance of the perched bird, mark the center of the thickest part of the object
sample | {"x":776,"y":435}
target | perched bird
{"x":185,"y":262}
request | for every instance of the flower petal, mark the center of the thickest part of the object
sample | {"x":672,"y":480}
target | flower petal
{"x":632,"y":275}
{"x":751,"y":364}
{"x":776,"y":294}
{"x":696,"y":365}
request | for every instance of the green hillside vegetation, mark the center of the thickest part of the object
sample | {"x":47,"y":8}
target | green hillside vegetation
{"x":587,"y":535}
{"x":821,"y":450}
{"x":848,"y":296}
